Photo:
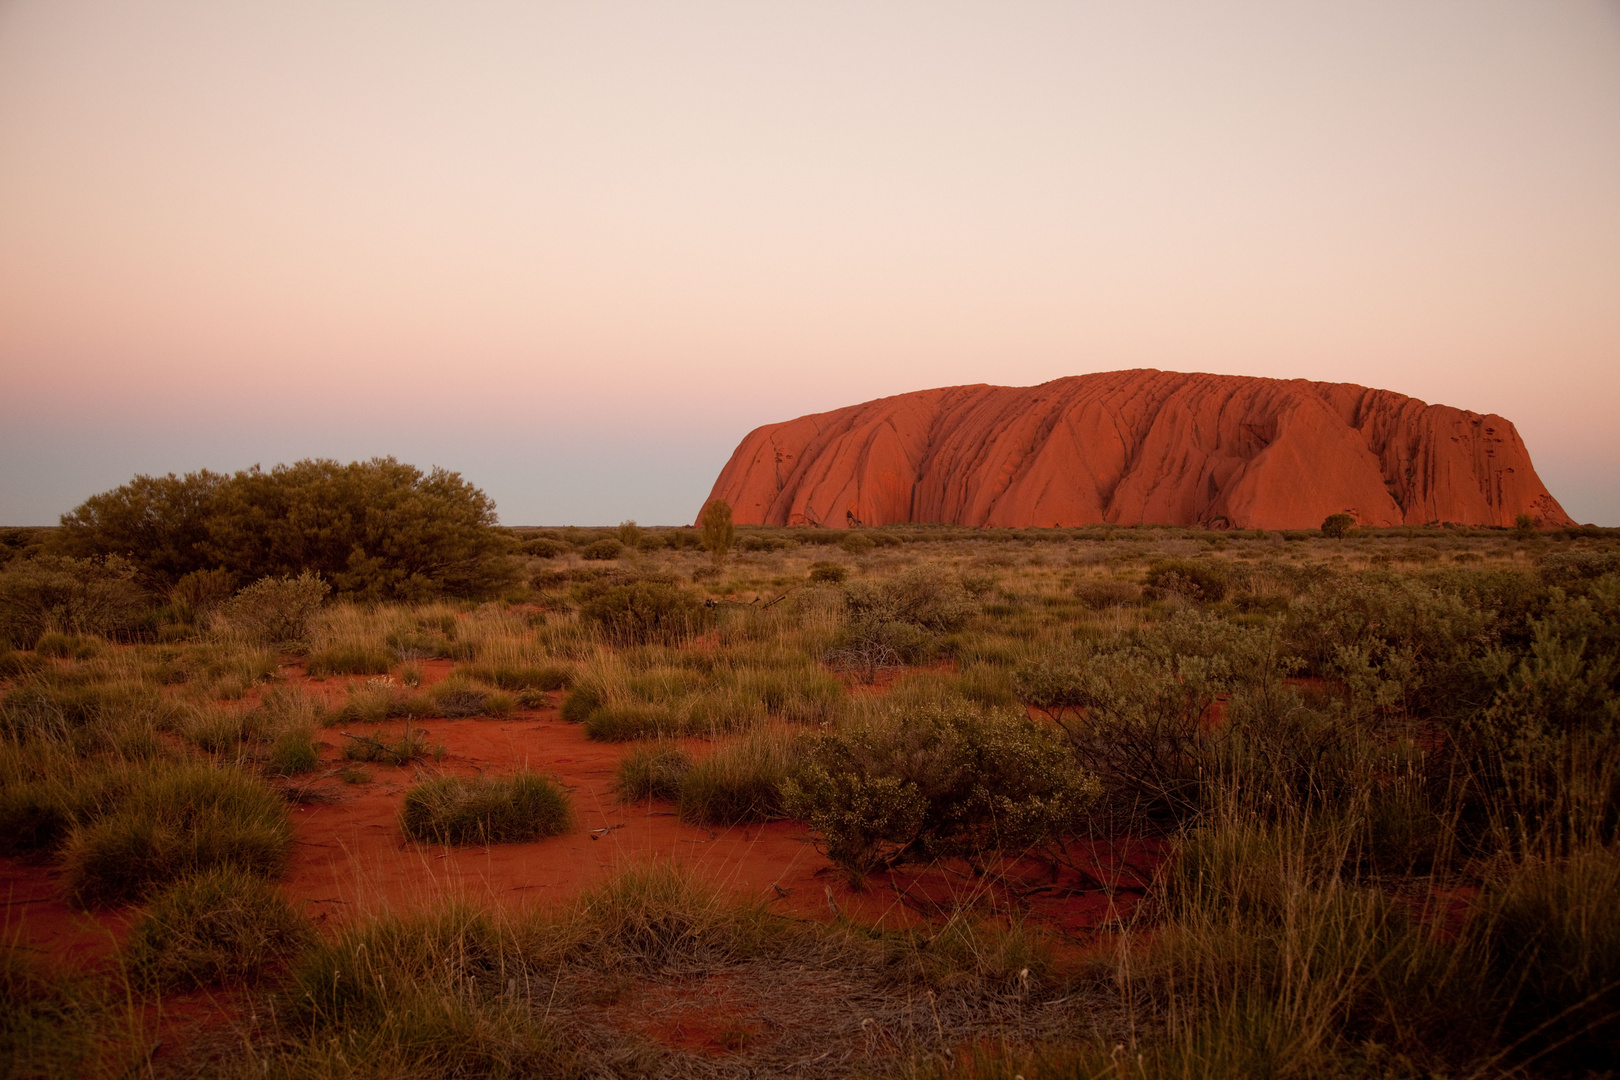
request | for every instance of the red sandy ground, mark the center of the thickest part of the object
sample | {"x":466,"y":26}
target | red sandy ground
{"x":350,"y":858}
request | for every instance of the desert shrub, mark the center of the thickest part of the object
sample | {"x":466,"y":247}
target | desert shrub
{"x":1570,"y":569}
{"x":66,"y":647}
{"x":943,"y":780}
{"x":350,"y":658}
{"x":740,"y":781}
{"x":376,"y":700}
{"x":625,"y":722}
{"x":1107,"y":593}
{"x":830,"y":573}
{"x":49,"y":1020}
{"x":293,"y":752}
{"x":718,"y":531}
{"x":377,"y":529}
{"x":629,"y":533}
{"x":857,"y":543}
{"x":486,"y":810}
{"x":215,"y":926}
{"x":1338,"y":526}
{"x":653,"y":771}
{"x":456,"y":697}
{"x":172,"y":821}
{"x":1544,"y":753}
{"x":644,"y":611}
{"x":519,"y":676}
{"x":1192,"y":579}
{"x":603,"y":550}
{"x":58,"y":593}
{"x":412,"y":744}
{"x":14,"y":664}
{"x":545,"y":548}
{"x":275,"y":611}
{"x":900,"y":620}
{"x":580,"y":702}
{"x":199,"y":594}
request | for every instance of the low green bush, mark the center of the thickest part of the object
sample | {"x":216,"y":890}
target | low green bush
{"x":276,"y":610}
{"x":623,"y":723}
{"x":212,"y":927}
{"x":174,"y":820}
{"x":828,"y":572}
{"x":412,"y":744}
{"x":653,"y":771}
{"x":940,"y":780}
{"x":455,"y":697}
{"x":643,"y":612}
{"x":740,"y":781}
{"x":486,"y":810}
{"x":515,"y":677}
{"x":1191,"y":579}
{"x":602,"y":550}
{"x":580,"y":702}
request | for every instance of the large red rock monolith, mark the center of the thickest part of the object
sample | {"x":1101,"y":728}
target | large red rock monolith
{"x":1138,"y":447}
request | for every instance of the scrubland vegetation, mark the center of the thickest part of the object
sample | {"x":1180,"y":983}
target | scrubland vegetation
{"x":1382,"y":769}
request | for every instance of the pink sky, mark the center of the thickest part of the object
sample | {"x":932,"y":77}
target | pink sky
{"x":577,"y":251}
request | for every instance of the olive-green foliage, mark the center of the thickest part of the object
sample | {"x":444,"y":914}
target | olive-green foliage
{"x":940,"y":780}
{"x":57,"y":593}
{"x":603,"y":550}
{"x":1192,"y":579}
{"x":377,"y":529}
{"x":412,"y":744}
{"x":627,"y":722}
{"x":1107,"y":592}
{"x":457,"y":696}
{"x":200,"y":593}
{"x":643,"y":611}
{"x":1338,"y":526}
{"x":740,"y":781}
{"x":276,"y":610}
{"x":486,"y":810}
{"x":828,"y":572}
{"x":581,"y":702}
{"x":545,"y":548}
{"x":652,"y":771}
{"x":48,"y":1020}
{"x":170,"y":821}
{"x":718,"y":531}
{"x":217,"y":925}
{"x":900,"y":620}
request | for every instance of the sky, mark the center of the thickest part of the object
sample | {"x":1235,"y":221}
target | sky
{"x":576,"y":251}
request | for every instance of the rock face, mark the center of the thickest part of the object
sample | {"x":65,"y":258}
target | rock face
{"x":1138,"y":447}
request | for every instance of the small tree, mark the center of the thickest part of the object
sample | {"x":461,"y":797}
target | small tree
{"x":1524,"y":526}
{"x":629,"y":533}
{"x":1337,"y":526}
{"x":718,"y":532}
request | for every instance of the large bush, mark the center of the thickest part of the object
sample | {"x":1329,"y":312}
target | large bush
{"x":642,"y":611}
{"x":942,"y":779}
{"x":66,"y":595}
{"x":901,"y":620}
{"x":376,"y":529}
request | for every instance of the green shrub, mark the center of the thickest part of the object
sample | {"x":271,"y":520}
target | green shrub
{"x":623,"y":723}
{"x":376,"y":529}
{"x":829,"y":572}
{"x":740,"y":781}
{"x":66,"y":647}
{"x":412,"y":744}
{"x":603,"y":550}
{"x":580,"y":702}
{"x":92,"y":596}
{"x":215,"y":926}
{"x":1338,"y":526}
{"x":645,"y":611}
{"x":275,"y":611}
{"x":654,"y":771}
{"x":513,"y":676}
{"x":292,"y":753}
{"x":486,"y":810}
{"x":455,"y":697}
{"x":1098,"y":594}
{"x":1192,"y":579}
{"x":51,"y":1022}
{"x":857,"y":543}
{"x":172,"y":821}
{"x":200,"y":593}
{"x":348,"y":659}
{"x":942,"y":780}
{"x":718,"y":531}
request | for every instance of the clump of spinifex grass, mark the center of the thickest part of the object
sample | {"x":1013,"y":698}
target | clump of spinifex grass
{"x":486,"y":810}
{"x":221,"y":924}
{"x":653,"y":771}
{"x":412,"y":744}
{"x":170,"y":821}
{"x":741,"y":781}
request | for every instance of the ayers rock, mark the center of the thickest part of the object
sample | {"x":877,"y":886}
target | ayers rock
{"x":1138,"y":447}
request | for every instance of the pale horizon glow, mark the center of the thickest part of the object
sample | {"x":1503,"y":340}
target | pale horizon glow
{"x":577,"y":251}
